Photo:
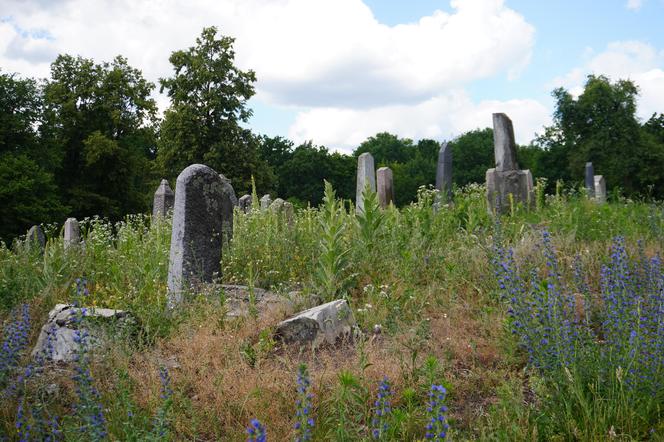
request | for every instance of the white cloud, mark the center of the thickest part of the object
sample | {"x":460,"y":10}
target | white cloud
{"x":633,"y":60}
{"x":440,"y":117}
{"x":634,"y":5}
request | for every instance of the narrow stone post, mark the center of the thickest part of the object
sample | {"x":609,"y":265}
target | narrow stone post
{"x":385,"y":186}
{"x":590,"y":180}
{"x":444,"y":175}
{"x":600,"y":188}
{"x":163,"y":200}
{"x":504,"y":146}
{"x":72,"y":233}
{"x":196,"y":239}
{"x":366,"y":175}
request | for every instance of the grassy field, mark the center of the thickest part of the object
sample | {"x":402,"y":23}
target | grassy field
{"x":545,"y":324}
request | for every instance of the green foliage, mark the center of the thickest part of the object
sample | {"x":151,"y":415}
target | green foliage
{"x":472,"y":155}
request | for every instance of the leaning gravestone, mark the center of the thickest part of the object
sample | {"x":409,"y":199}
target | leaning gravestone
{"x":590,"y":180}
{"x":196,"y":239}
{"x":366,"y":176}
{"x":385,"y":186}
{"x":327,"y":323}
{"x":506,"y":179}
{"x":265,"y":201}
{"x":163,"y":200}
{"x":228,"y":204}
{"x":444,"y":175}
{"x":72,"y":233}
{"x":35,"y":238}
{"x":600,"y":188}
{"x":244,"y":203}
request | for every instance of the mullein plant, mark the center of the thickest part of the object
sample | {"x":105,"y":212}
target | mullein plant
{"x":436,"y":428}
{"x":89,"y":408}
{"x":304,"y":423}
{"x":382,"y":411}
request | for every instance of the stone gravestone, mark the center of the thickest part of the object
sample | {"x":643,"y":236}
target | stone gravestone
{"x":506,"y":179}
{"x":245,"y":203}
{"x":385,"y":186}
{"x":600,"y":188}
{"x":228,"y":204}
{"x":590,"y":180}
{"x":289,"y":211}
{"x":72,"y":233}
{"x":366,"y":175}
{"x":265,"y":201}
{"x":163,"y":200}
{"x":196,"y":238}
{"x":444,"y":176}
{"x":277,"y":205}
{"x":35,"y":238}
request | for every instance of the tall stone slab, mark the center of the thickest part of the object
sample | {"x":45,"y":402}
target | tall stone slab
{"x":163,"y":200}
{"x":35,"y":238}
{"x":266,"y":201}
{"x":385,"y":186}
{"x":600,"y":188}
{"x":196,"y":238}
{"x":506,"y":184}
{"x":504,"y":146}
{"x":72,"y":233}
{"x":228,"y":204}
{"x":590,"y":180}
{"x":444,"y":175}
{"x":245,"y":203}
{"x":366,"y":175}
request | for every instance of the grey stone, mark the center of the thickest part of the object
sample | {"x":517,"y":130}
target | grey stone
{"x":600,"y":188}
{"x":518,"y":183}
{"x":196,"y":238}
{"x":366,"y":176}
{"x":503,"y":143}
{"x":385,"y":186}
{"x":72,"y":233}
{"x":35,"y":238}
{"x":163,"y":200}
{"x":327,"y":323}
{"x":265,"y":201}
{"x":289,"y":211}
{"x":444,"y":175}
{"x":245,"y":203}
{"x":590,"y":180}
{"x":277,"y":205}
{"x":57,"y":339}
{"x":228,"y":204}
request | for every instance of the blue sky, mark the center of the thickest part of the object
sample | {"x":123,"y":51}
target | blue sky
{"x":338,"y":71}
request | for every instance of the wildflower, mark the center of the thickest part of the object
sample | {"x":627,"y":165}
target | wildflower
{"x":436,"y":428}
{"x":304,"y":422}
{"x":382,"y":410}
{"x":256,"y":432}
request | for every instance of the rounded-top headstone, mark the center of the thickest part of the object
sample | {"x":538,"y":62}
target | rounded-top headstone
{"x":35,"y":238}
{"x":196,"y":239}
{"x":245,"y":203}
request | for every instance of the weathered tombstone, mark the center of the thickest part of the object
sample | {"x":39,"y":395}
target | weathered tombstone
{"x":277,"y":205}
{"x":505,"y":183}
{"x":245,"y":203}
{"x":228,"y":204}
{"x":385,"y":186}
{"x":600,"y":188}
{"x":366,"y":176}
{"x":265,"y":201}
{"x":72,"y":233}
{"x":35,"y":239}
{"x":196,"y":238}
{"x":590,"y":180}
{"x":444,"y":175}
{"x":289,"y":211}
{"x":325,"y":324}
{"x":163,"y":200}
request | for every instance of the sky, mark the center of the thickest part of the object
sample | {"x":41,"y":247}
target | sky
{"x":339,"y":71}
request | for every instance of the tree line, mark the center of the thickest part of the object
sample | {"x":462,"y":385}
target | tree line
{"x":89,"y":141}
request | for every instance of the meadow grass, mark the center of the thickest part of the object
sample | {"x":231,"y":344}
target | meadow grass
{"x":424,"y":290}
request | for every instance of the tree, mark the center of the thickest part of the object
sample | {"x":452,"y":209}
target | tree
{"x":100,"y":119}
{"x":472,"y":154}
{"x":387,"y":148}
{"x":209,"y":97}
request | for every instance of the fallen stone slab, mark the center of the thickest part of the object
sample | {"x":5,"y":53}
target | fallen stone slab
{"x":327,"y":323}
{"x":57,"y":339}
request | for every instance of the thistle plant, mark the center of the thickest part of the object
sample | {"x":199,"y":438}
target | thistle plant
{"x":256,"y":431}
{"x":436,"y":428}
{"x":304,"y":423}
{"x":382,"y":410}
